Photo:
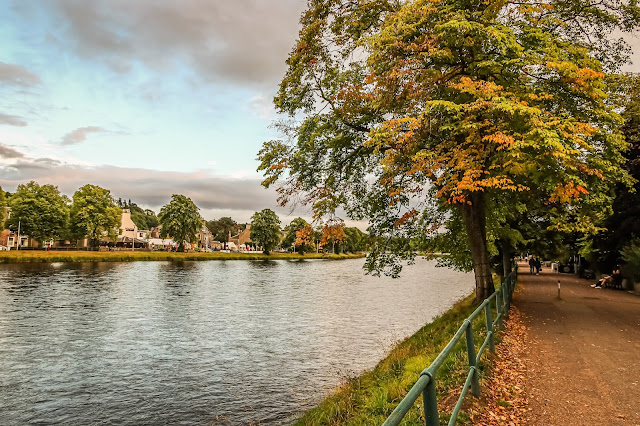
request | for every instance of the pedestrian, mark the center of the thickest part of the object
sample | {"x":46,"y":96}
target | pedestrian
{"x":609,"y":280}
{"x":538,"y":266}
{"x":532,"y":264}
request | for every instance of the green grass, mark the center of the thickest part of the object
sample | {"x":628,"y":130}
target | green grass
{"x":129,"y":256}
{"x":370,"y":398}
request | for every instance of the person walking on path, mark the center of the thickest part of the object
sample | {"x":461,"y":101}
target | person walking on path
{"x":580,"y":367}
{"x":532,"y":264}
{"x":538,"y":266}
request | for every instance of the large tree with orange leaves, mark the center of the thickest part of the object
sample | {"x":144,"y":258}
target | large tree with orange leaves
{"x":394,"y":103}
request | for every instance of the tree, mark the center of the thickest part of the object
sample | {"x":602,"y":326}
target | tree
{"x":41,"y":211}
{"x":94,"y":214}
{"x":458,"y":101}
{"x":333,"y":232}
{"x":222,"y":227}
{"x":152,"y":219}
{"x":290,"y":231}
{"x":3,"y":205}
{"x":623,"y":226}
{"x":143,"y":219}
{"x":180,"y":219}
{"x":265,"y":229}
{"x":355,"y":240}
{"x":304,"y":239}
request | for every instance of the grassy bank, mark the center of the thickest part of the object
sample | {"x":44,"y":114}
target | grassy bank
{"x":371,"y":397}
{"x":129,"y":256}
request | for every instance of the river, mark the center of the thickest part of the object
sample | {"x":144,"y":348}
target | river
{"x":217,"y":342}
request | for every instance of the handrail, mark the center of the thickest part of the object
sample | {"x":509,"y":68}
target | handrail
{"x":425,"y":384}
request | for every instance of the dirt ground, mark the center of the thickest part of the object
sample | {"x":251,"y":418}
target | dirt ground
{"x":583,"y":358}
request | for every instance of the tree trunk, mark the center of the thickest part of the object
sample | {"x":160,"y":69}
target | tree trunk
{"x":475,"y":223}
{"x":507,"y":255}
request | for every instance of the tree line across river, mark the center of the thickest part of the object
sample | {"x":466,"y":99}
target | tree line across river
{"x":44,"y":214}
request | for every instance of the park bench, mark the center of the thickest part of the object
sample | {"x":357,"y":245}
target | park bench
{"x":616,"y":282}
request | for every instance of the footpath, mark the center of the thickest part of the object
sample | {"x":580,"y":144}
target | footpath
{"x":583,"y":357}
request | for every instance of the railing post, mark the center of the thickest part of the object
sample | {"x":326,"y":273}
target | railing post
{"x":487,"y":316}
{"x":499,"y":309}
{"x":513,"y":288}
{"x":430,"y":403}
{"x":505,"y":308}
{"x":471,"y":352}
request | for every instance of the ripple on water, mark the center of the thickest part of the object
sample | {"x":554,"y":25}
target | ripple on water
{"x":199,"y":342}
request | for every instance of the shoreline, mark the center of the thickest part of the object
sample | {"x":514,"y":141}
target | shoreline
{"x":135,"y":256}
{"x":371,"y":396}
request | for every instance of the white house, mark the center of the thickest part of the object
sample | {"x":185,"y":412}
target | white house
{"x":127,"y":227}
{"x":160,"y":243}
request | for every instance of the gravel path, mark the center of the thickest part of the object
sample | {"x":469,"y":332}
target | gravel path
{"x":583,"y":362}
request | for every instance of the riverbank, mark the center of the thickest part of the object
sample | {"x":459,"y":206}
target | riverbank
{"x":371,"y":397}
{"x":131,"y":256}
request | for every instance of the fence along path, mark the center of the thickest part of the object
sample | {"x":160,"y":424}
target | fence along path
{"x":426,"y":384}
{"x":582,"y":366}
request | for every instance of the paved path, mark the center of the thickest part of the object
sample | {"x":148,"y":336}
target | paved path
{"x":583,"y":363}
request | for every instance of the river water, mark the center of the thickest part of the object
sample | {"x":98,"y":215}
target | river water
{"x":218,"y":342}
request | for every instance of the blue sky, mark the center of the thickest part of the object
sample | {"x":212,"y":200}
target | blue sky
{"x":146,"y":98}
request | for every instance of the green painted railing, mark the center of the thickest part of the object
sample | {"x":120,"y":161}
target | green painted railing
{"x":426,"y":384}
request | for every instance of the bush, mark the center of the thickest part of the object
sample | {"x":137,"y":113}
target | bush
{"x":631,"y":255}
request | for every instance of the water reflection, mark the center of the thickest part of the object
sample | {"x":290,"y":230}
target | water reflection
{"x":198,"y":342}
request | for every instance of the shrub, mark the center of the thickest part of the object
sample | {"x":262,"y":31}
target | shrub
{"x":631,"y":255}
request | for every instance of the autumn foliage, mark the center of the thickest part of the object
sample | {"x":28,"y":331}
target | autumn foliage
{"x":332,"y":233}
{"x":467,"y":106}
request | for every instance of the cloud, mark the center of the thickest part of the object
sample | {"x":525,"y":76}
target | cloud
{"x":6,"y":152}
{"x":217,"y":196}
{"x":244,"y":41}
{"x":12,"y":120}
{"x":149,"y":188}
{"x":80,"y":135}
{"x":262,"y":107}
{"x":17,"y":75}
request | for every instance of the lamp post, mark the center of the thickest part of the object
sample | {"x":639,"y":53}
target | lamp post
{"x":18,"y":242}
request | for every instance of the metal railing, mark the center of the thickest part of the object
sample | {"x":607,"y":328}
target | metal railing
{"x":426,"y":384}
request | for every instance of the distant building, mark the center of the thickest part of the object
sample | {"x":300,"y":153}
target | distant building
{"x":205,"y":238}
{"x":10,"y":238}
{"x":160,"y":243}
{"x":154,"y":232}
{"x":129,"y":235}
{"x":242,"y":239}
{"x":127,"y":227}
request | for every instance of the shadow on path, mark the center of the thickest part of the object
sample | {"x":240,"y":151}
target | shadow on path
{"x":583,"y":366}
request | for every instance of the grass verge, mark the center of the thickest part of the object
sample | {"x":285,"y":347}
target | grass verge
{"x":370,"y":398}
{"x":129,"y":256}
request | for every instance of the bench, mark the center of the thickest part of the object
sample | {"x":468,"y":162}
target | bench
{"x":616,"y":282}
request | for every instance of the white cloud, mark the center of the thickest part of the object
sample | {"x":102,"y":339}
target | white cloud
{"x":261,"y":106}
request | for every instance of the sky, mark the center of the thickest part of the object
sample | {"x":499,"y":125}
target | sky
{"x":146,"y":98}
